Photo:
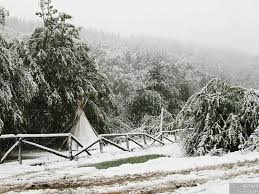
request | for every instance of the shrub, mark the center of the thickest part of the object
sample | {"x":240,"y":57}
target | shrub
{"x":218,"y":117}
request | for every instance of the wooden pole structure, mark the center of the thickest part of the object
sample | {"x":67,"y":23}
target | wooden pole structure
{"x":20,"y":139}
{"x":145,"y":139}
{"x":127,"y":142}
{"x":114,"y":144}
{"x":20,"y":151}
{"x":101,"y":144}
{"x":161,"y":124}
{"x":134,"y":141}
{"x":85,"y":148}
{"x":155,"y":139}
{"x":8,"y":152}
{"x":169,"y":139}
{"x":70,"y":150}
{"x":78,"y":142}
{"x":46,"y":149}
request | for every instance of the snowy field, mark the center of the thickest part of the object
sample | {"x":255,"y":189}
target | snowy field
{"x":173,"y":174}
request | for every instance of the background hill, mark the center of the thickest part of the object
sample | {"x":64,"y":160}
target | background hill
{"x":130,"y":64}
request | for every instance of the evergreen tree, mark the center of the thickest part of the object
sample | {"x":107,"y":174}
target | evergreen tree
{"x":219,"y":117}
{"x":252,"y":143}
{"x":145,"y":102}
{"x":17,"y":87}
{"x":64,"y":72}
{"x":166,"y":80}
{"x":3,"y":16}
{"x":163,"y":87}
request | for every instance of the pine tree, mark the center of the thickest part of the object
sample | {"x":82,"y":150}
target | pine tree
{"x":64,"y":72}
{"x":3,"y":16}
{"x":17,"y":87}
{"x":145,"y":102}
{"x":168,"y":84}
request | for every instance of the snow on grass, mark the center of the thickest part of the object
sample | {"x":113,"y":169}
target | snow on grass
{"x":119,"y":162}
{"x":178,"y":164}
{"x":49,"y":162}
{"x":188,"y":171}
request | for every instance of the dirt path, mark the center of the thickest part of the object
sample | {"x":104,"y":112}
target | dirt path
{"x":147,"y":183}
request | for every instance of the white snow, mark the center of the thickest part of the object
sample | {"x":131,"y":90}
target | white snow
{"x":199,"y":169}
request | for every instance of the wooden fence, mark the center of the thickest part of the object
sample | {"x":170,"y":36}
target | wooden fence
{"x":103,"y":139}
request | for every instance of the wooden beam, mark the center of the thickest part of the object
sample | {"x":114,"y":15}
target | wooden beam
{"x":155,"y":139}
{"x":114,"y":144}
{"x":101,"y":144}
{"x":8,"y":152}
{"x":20,"y":151}
{"x":113,"y":135}
{"x":161,"y":120}
{"x":145,"y":139}
{"x":46,"y":149}
{"x":120,"y":134}
{"x":127,"y":142}
{"x":70,"y":151}
{"x":134,"y":141}
{"x":81,"y":145}
{"x":174,"y":131}
{"x":43,"y":135}
{"x":169,"y":139}
{"x":85,"y":148}
{"x":8,"y":136}
{"x":158,"y":137}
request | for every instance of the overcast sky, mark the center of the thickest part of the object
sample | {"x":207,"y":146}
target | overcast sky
{"x":219,"y":23}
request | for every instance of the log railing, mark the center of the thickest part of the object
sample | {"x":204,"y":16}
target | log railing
{"x":103,"y":139}
{"x":22,"y":139}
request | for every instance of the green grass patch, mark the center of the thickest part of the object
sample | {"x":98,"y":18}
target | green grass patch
{"x":131,"y":160}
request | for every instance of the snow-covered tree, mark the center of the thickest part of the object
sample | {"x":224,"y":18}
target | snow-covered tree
{"x":145,"y":102}
{"x":17,"y":87}
{"x":167,"y":81}
{"x":218,"y":117}
{"x":64,"y":72}
{"x":151,"y":124}
{"x":252,"y":143}
{"x":3,"y":15}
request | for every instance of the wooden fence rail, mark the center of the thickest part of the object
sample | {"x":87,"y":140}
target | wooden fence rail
{"x":102,"y":140}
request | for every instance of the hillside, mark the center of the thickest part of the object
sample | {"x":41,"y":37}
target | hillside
{"x":239,"y":68}
{"x":128,"y":63}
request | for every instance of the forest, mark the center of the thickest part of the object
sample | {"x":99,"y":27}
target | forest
{"x":46,"y":67}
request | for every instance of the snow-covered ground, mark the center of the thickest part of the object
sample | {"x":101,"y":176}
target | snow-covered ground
{"x":173,"y":174}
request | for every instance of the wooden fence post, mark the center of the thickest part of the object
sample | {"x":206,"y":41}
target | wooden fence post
{"x":161,"y":137}
{"x":161,"y":120}
{"x":145,"y":139}
{"x":20,"y":151}
{"x":70,"y":149}
{"x":127,"y":142}
{"x":101,"y":144}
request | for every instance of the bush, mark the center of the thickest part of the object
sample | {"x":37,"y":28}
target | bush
{"x":218,"y":117}
{"x":252,"y":143}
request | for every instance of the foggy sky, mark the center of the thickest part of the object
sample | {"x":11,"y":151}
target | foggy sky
{"x":218,"y":23}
